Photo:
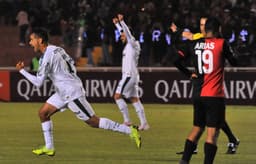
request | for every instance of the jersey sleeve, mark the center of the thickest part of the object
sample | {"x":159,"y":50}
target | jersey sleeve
{"x":35,"y":80}
{"x":181,"y":54}
{"x":42,"y":72}
{"x":229,"y":54}
{"x":119,"y":28}
{"x":127,"y":31}
{"x":197,"y":36}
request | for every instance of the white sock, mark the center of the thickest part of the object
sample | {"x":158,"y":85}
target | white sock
{"x":108,"y":124}
{"x":48,"y":135}
{"x":140,"y":112}
{"x":124,"y":109}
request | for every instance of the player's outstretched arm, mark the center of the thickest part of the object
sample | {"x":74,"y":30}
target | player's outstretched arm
{"x":125,"y":28}
{"x":35,"y":80}
{"x":186,"y":34}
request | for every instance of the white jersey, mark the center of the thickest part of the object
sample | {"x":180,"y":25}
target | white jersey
{"x":131,"y":53}
{"x":59,"y":67}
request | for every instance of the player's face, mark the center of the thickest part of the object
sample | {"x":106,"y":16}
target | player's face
{"x":35,"y":42}
{"x":123,"y":37}
{"x":202,"y":25}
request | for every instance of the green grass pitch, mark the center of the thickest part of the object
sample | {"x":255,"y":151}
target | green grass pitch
{"x":77,"y":143}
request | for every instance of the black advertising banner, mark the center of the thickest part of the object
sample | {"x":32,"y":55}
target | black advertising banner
{"x":22,"y":90}
{"x":99,"y":86}
{"x":240,"y":88}
{"x":155,"y":87}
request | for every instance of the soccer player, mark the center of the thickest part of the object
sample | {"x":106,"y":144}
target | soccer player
{"x":128,"y":85}
{"x":208,"y":55}
{"x":233,"y":141}
{"x":58,"y":66}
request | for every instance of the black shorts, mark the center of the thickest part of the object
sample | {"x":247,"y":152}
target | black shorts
{"x":209,"y":111}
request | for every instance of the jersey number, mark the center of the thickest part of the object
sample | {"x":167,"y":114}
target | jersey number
{"x":205,"y":61}
{"x":69,"y":61}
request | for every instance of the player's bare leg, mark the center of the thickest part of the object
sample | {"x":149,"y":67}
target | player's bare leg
{"x":194,"y":136}
{"x":191,"y":143}
{"x":45,"y":112}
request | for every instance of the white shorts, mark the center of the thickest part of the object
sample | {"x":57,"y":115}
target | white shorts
{"x":79,"y":106}
{"x":128,"y":86}
{"x":56,"y":101}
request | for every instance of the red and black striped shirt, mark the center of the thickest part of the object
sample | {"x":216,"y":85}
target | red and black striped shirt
{"x":208,"y":59}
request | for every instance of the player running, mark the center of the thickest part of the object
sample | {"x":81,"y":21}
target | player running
{"x":58,"y":66}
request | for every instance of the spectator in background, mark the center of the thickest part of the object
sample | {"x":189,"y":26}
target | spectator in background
{"x":158,"y":43}
{"x":88,"y":44}
{"x":143,"y":13}
{"x":144,"y":38}
{"x":54,"y":20}
{"x":4,"y":9}
{"x":68,"y":29}
{"x":117,"y":48}
{"x":23,"y":24}
{"x":105,"y":41}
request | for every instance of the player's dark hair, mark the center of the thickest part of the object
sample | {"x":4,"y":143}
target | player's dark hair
{"x":41,"y":33}
{"x":213,"y":24}
{"x":204,"y":15}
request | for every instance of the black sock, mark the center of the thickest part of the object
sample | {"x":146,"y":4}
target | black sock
{"x":188,"y":150}
{"x":209,"y":153}
{"x":228,"y":132}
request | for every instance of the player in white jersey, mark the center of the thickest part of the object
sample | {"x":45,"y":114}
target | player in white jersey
{"x":128,"y":85}
{"x":58,"y":66}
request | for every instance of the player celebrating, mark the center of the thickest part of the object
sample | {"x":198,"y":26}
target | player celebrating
{"x":128,"y":85}
{"x":58,"y":66}
{"x":233,"y":141}
{"x":208,"y":55}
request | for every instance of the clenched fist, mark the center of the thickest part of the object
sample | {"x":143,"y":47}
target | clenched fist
{"x":20,"y":65}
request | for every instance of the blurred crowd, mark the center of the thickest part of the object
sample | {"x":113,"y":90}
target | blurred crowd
{"x":90,"y":22}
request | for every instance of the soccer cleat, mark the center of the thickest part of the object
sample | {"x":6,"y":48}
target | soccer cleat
{"x":144,"y":127}
{"x":135,"y":135}
{"x":232,"y":147}
{"x":182,"y":152}
{"x":43,"y":150}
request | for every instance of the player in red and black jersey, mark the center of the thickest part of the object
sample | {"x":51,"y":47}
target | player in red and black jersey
{"x":208,"y":58}
{"x":233,"y":141}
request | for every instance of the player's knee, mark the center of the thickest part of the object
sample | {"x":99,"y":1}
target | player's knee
{"x":43,"y":115}
{"x":134,"y":99}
